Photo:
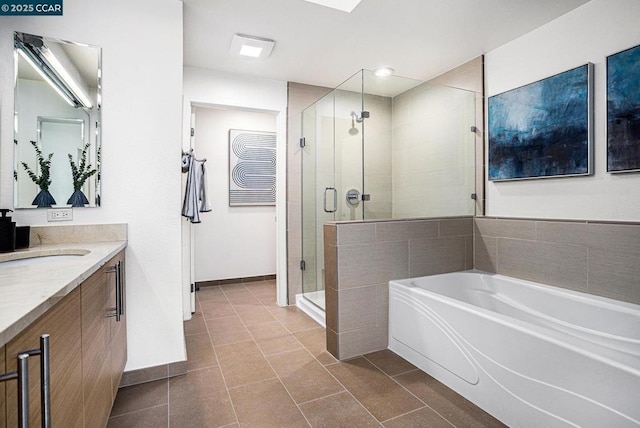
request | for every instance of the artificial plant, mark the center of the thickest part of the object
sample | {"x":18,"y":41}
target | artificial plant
{"x":80,"y":173}
{"x":43,"y":198}
{"x":44,"y":179}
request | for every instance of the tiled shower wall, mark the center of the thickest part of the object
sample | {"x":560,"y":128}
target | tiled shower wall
{"x":362,"y":257}
{"x":592,"y":257}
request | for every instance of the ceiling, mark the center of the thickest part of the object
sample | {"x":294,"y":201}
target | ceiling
{"x":322,"y":46}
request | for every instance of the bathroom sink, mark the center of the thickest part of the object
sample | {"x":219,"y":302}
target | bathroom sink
{"x":40,"y":257}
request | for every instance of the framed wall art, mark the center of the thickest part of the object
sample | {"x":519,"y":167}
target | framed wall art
{"x":252,"y":168}
{"x":543,"y":129}
{"x":623,"y":111}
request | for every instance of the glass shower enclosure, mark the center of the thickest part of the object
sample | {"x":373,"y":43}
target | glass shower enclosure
{"x":382,"y":148}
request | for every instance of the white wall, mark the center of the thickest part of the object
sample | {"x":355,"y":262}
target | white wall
{"x":230,"y":242}
{"x":142,"y":76}
{"x":587,"y":34}
{"x":214,"y":88}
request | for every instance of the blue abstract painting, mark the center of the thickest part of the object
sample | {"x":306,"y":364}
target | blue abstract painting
{"x":623,"y":111}
{"x":542,"y":129}
{"x":252,"y":168}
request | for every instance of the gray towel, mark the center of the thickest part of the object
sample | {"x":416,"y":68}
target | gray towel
{"x":195,"y":195}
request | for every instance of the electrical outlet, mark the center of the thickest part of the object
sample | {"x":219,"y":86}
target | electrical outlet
{"x":59,"y":214}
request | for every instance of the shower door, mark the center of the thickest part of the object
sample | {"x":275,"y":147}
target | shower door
{"x":331,"y":168}
{"x":416,"y":160}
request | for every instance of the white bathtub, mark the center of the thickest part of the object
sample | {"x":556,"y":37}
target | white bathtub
{"x":532,"y":355}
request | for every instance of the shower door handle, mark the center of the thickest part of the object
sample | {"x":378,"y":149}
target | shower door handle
{"x":335,"y":200}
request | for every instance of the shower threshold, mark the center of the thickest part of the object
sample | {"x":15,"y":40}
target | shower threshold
{"x":311,"y":304}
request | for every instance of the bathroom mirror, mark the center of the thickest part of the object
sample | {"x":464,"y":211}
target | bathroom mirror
{"x":57,"y":123}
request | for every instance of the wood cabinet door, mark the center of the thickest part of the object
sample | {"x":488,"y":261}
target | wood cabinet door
{"x":3,"y":402}
{"x":95,"y":349}
{"x":62,"y":323}
{"x":118,"y":329}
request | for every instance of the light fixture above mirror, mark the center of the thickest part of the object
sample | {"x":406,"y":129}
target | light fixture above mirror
{"x":55,"y":67}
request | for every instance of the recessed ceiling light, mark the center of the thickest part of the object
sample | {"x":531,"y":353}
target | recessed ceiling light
{"x":383,"y":72}
{"x":343,"y":5}
{"x":252,"y":51}
{"x":251,"y":46}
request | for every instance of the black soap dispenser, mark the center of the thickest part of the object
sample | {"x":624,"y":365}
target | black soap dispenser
{"x":7,"y":232}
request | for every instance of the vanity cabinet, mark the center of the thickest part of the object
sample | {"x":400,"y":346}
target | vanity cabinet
{"x":104,"y":347}
{"x":62,"y":323}
{"x":88,"y":351}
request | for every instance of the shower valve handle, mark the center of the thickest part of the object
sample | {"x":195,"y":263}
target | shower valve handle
{"x":353,"y":197}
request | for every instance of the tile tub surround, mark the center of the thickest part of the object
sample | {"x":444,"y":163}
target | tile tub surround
{"x":29,"y":291}
{"x":601,"y":258}
{"x":362,"y":257}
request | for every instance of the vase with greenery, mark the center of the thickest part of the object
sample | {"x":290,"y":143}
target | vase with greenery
{"x":43,"y":198}
{"x":80,"y":173}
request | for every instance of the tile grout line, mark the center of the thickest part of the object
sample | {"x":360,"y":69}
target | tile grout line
{"x":254,"y":382}
{"x":421,"y":408}
{"x":169,"y":398}
{"x":345,"y":389}
{"x":138,"y":410}
{"x":403,"y":387}
{"x":265,"y":358}
{"x":351,"y":394}
{"x":292,"y":333}
{"x":398,"y":383}
{"x":224,"y":380}
{"x":269,"y":363}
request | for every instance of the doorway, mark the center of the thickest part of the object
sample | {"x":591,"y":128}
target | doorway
{"x":233,"y":241}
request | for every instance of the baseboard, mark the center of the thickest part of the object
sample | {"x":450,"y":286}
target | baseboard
{"x":235,"y":280}
{"x":149,"y":374}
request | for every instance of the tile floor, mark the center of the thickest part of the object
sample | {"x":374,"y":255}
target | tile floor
{"x":254,"y":364}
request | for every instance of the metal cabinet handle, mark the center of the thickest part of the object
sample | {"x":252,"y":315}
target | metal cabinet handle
{"x":120,"y":275}
{"x":335,"y":200}
{"x":45,"y":379}
{"x":22,"y":375}
{"x":118,"y":311}
{"x":23,"y":390}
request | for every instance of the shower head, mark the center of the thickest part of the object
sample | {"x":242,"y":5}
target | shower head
{"x":354,"y":118}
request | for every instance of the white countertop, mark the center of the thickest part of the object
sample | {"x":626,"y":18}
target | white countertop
{"x":26,"y":292}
